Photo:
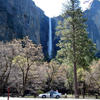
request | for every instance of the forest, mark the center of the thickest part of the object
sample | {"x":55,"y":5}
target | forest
{"x":24,"y":70}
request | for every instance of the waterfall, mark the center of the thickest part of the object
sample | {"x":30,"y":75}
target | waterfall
{"x":50,"y":39}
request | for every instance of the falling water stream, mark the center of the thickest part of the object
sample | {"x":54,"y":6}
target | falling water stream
{"x":50,"y":39}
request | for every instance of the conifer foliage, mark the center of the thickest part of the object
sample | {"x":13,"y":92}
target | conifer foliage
{"x":76,"y":49}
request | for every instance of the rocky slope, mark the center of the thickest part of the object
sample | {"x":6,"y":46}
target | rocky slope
{"x":19,"y":18}
{"x":93,"y":22}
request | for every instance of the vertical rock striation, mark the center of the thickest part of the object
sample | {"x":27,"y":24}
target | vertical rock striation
{"x":19,"y":18}
{"x":93,"y":22}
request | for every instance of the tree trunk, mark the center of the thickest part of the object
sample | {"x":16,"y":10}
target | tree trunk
{"x":84,"y":89}
{"x":23,"y":91}
{"x":75,"y":81}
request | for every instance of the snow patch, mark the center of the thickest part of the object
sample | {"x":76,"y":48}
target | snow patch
{"x":86,"y":4}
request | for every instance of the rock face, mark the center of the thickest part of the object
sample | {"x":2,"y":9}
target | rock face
{"x":93,"y":22}
{"x":55,"y":38}
{"x":19,"y":18}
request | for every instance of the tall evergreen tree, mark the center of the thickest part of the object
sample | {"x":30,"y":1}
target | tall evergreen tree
{"x":76,"y":48}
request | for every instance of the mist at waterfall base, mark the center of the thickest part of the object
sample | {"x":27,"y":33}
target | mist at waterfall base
{"x":50,"y":40}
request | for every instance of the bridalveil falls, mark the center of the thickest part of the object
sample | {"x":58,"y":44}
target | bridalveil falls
{"x":50,"y":39}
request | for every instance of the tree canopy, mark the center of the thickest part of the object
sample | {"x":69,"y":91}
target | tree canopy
{"x":76,"y":49}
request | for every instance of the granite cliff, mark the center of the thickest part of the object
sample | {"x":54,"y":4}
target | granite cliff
{"x":19,"y":18}
{"x":93,"y":22}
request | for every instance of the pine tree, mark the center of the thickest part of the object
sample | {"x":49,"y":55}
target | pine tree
{"x":76,"y":48}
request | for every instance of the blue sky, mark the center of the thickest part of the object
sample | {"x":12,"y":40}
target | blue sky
{"x":54,"y":7}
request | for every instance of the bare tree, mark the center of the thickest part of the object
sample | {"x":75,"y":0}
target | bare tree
{"x":28,"y":54}
{"x":6,"y":57}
